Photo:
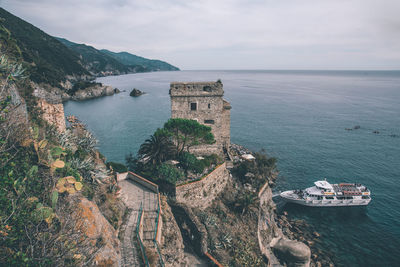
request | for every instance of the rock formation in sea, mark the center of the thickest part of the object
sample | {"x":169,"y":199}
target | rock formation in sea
{"x":136,"y":92}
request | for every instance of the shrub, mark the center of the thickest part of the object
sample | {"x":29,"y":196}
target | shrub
{"x":169,"y":173}
{"x":189,"y":162}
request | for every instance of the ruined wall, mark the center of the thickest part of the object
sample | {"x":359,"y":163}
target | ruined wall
{"x":211,"y":110}
{"x":200,"y":194}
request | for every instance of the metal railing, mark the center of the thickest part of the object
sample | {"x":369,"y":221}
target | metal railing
{"x":156,"y":231}
{"x":142,"y":249}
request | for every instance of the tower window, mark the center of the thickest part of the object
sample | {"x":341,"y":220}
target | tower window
{"x":193,"y":106}
{"x":209,"y":121}
{"x":209,"y":106}
{"x":207,"y":88}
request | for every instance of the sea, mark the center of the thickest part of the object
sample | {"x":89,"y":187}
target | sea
{"x":299,"y":117}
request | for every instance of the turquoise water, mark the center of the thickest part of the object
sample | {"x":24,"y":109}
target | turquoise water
{"x":299,"y":117}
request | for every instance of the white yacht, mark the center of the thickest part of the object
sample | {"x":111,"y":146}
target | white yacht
{"x":324,"y":194}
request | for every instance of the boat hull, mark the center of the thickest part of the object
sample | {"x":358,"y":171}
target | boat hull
{"x":291,"y":197}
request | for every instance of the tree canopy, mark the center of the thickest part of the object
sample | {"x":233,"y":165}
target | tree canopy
{"x":158,"y":148}
{"x":187,"y":133}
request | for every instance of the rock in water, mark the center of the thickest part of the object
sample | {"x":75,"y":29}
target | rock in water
{"x":136,"y":92}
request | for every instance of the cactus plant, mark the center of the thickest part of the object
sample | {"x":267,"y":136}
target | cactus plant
{"x":54,"y":199}
{"x":68,"y":184}
{"x":78,"y":186}
{"x":58,"y":164}
{"x":42,"y":144}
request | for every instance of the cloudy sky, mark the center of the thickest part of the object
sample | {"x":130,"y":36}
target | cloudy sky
{"x":230,"y":34}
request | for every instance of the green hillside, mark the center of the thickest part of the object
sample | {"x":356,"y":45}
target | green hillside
{"x":150,"y":64}
{"x":94,"y":60}
{"x":49,"y":61}
{"x":97,"y":61}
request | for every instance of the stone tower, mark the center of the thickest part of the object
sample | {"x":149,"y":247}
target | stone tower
{"x":203,"y":102}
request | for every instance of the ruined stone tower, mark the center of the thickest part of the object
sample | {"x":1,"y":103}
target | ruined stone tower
{"x":203,"y":102}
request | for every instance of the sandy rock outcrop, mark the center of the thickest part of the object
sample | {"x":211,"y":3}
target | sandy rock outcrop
{"x":50,"y":102}
{"x":104,"y":246}
{"x":53,"y":114}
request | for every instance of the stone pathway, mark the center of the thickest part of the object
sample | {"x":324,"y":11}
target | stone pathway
{"x":133,"y":194}
{"x":130,"y":252}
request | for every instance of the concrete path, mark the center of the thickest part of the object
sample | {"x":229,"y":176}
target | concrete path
{"x":133,"y":194}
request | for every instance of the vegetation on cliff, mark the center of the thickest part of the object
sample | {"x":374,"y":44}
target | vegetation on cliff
{"x":147,"y":64}
{"x":46,"y":180}
{"x":172,"y":143}
{"x":98,"y":61}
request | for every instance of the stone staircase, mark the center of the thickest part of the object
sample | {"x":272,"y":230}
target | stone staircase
{"x":149,"y":225}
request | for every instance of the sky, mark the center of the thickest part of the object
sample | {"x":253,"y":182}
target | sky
{"x":230,"y":34}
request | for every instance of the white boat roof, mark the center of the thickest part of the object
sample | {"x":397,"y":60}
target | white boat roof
{"x":323,"y":185}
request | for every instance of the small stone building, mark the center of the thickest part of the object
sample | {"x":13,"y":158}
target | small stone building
{"x":203,"y":102}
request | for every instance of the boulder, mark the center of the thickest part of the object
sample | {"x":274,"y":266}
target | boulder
{"x":290,"y":252}
{"x":136,"y":92}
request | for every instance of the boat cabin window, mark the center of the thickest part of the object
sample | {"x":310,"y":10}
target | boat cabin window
{"x":329,"y":197}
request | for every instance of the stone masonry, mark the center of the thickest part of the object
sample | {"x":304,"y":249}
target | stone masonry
{"x":203,"y":102}
{"x":200,"y":194}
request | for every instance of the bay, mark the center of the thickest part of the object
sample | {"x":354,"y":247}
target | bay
{"x":300,"y":118}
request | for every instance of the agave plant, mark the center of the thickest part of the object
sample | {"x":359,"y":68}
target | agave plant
{"x":67,"y":139}
{"x":208,"y":220}
{"x":226,"y":240}
{"x":82,"y":165}
{"x":13,"y":70}
{"x":88,"y":142}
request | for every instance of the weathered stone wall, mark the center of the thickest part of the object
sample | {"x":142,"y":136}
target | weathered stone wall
{"x":211,"y":110}
{"x":200,"y":194}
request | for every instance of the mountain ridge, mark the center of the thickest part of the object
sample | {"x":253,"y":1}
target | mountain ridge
{"x":59,"y":62}
{"x":104,"y":61}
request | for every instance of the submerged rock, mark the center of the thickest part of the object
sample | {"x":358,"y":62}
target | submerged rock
{"x":136,"y":92}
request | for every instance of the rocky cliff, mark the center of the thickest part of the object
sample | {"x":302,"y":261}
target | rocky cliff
{"x":273,"y":243}
{"x":59,"y":200}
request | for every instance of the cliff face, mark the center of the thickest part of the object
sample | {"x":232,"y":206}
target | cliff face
{"x":273,"y":244}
